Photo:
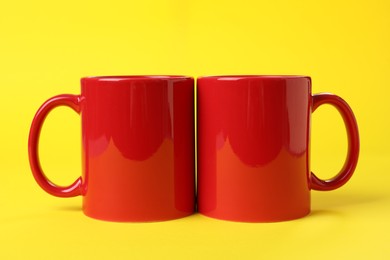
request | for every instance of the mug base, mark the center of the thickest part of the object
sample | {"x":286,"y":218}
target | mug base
{"x":139,"y":219}
{"x":258,"y":219}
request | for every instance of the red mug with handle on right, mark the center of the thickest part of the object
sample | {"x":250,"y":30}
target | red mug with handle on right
{"x":254,"y":147}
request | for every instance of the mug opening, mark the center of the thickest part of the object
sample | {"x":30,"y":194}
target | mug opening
{"x":236,"y":77}
{"x":134,"y":77}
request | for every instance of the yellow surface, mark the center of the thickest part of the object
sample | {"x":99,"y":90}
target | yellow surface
{"x":46,"y":46}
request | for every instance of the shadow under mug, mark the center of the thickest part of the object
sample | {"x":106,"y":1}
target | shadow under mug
{"x":137,"y":147}
{"x":254,"y":147}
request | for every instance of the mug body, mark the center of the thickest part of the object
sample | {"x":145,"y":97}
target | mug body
{"x":138,"y":147}
{"x":253,"y":147}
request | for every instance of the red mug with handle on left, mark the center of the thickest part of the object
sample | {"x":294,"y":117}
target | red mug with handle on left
{"x":137,"y":147}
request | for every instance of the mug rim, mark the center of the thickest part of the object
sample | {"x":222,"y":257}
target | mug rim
{"x":253,"y":76}
{"x":134,"y":77}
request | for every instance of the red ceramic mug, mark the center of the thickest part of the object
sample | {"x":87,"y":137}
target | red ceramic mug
{"x":137,"y":147}
{"x":254,"y":147}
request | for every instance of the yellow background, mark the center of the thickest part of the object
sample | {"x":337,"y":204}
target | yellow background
{"x":46,"y":46}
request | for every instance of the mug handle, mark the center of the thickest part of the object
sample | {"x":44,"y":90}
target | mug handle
{"x":353,"y":142}
{"x":75,"y":189}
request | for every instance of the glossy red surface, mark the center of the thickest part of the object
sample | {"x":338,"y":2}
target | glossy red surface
{"x":137,"y":147}
{"x":253,"y":147}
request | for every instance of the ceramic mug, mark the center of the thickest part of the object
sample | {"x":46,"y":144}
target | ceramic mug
{"x":137,"y":147}
{"x":254,"y":147}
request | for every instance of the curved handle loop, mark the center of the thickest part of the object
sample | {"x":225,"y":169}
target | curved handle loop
{"x":72,"y":101}
{"x":353,"y":142}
